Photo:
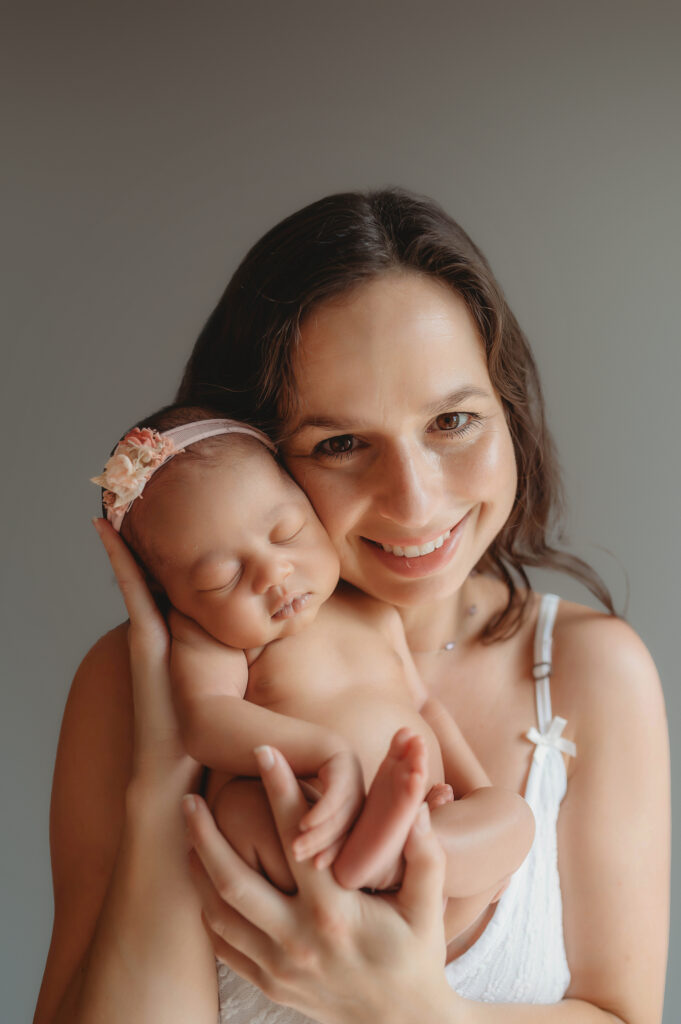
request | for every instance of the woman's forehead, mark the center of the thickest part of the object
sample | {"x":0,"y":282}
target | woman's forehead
{"x":404,"y":339}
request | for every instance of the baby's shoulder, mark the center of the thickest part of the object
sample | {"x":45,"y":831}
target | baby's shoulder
{"x":361,"y":607}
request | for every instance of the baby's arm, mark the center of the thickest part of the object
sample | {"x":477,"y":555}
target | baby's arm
{"x":221,"y":730}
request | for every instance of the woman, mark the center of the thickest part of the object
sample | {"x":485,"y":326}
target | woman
{"x":368,"y":335}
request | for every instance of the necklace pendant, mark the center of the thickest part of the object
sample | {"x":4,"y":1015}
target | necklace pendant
{"x":449,"y":646}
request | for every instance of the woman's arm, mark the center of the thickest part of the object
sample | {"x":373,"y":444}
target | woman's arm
{"x":127,"y":944}
{"x":614,"y":824}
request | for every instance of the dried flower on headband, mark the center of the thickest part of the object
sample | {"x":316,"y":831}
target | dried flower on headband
{"x":132,"y":464}
{"x":143,"y":450}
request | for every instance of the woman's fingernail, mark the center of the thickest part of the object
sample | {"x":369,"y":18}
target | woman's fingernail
{"x":264,"y":757}
{"x":422,"y":822}
{"x":188,"y":804}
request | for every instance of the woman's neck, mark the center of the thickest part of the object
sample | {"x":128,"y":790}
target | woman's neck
{"x":429,"y":627}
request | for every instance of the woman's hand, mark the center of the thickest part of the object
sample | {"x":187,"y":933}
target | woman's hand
{"x":127,"y":915}
{"x":157,"y":745}
{"x":339,"y":956}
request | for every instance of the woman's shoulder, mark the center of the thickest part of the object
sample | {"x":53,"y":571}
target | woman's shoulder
{"x":100,"y":698}
{"x":112,"y":646}
{"x":602,"y":670}
{"x":106,"y":666}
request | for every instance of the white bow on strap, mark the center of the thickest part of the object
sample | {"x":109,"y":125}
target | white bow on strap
{"x":552,"y":737}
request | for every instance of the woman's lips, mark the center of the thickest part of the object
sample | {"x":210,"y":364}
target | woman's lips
{"x":419,"y":565}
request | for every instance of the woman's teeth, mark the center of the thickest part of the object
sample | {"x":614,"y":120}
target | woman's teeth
{"x":413,"y":551}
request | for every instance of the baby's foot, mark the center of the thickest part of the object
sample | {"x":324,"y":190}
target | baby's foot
{"x":373,"y":850}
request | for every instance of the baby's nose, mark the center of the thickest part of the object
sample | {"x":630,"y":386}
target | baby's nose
{"x":272,"y":573}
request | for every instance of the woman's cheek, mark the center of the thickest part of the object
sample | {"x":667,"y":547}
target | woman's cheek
{"x":490,"y":474}
{"x":331,"y":496}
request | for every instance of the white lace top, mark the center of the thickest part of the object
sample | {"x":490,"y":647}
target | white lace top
{"x":520,"y":956}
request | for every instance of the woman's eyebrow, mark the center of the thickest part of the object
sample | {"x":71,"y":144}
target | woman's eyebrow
{"x":455,"y":398}
{"x":447,"y":402}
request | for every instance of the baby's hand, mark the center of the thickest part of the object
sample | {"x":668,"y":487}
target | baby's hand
{"x":340,"y":785}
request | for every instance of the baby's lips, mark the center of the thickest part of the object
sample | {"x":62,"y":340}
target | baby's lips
{"x":291,"y":605}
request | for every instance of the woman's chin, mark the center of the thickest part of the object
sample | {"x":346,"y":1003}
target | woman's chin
{"x":404,"y":592}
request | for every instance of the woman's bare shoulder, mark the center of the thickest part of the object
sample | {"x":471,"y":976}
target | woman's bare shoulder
{"x":108,"y":655}
{"x":601,"y":667}
{"x":95,"y":742}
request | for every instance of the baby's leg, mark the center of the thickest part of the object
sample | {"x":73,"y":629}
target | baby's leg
{"x":372,"y":854}
{"x":462,"y":913}
{"x":243,"y":815}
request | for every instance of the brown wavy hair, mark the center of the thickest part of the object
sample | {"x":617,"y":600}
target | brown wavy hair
{"x":244,"y":360}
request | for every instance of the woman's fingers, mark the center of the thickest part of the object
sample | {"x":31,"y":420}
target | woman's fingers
{"x":288,"y":806}
{"x":139,"y":603}
{"x":156,"y":733}
{"x":225,"y":925}
{"x":420,"y":896}
{"x":236,"y":899}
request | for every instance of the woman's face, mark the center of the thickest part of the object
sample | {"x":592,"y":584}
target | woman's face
{"x":400,"y":440}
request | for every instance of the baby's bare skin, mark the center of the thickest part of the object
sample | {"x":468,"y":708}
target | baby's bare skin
{"x":345,"y":674}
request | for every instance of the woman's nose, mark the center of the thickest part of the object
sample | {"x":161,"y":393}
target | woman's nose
{"x":409,"y":485}
{"x":271,"y":571}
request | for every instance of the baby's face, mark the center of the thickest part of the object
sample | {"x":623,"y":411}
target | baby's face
{"x":237,"y":547}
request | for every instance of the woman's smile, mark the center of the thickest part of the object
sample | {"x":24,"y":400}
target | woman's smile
{"x":414,"y":560}
{"x":410,"y":464}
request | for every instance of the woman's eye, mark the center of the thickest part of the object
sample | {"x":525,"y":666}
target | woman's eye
{"x":337,"y":447}
{"x":457,"y":421}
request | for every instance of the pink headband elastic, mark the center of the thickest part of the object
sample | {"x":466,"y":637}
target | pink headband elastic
{"x":144,"y":450}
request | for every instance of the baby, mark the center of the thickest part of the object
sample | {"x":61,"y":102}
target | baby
{"x":302,"y":663}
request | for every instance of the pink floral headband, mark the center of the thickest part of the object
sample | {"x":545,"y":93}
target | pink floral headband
{"x":144,"y":450}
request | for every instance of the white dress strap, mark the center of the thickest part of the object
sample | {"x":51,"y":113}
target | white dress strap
{"x":550,"y":727}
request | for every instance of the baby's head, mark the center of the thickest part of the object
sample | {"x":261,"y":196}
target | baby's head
{"x":225,"y":533}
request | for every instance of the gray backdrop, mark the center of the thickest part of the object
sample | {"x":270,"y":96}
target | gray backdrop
{"x":147,"y":145}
